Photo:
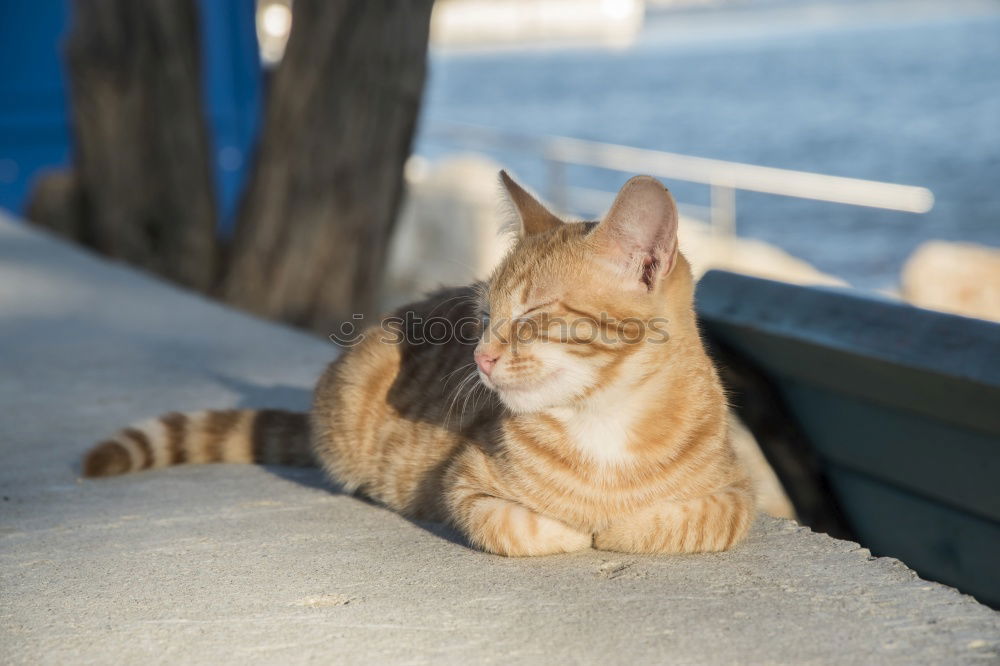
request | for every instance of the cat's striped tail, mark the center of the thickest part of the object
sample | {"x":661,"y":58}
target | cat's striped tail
{"x":263,"y":436}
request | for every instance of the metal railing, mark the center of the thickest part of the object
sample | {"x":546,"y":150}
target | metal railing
{"x":722,"y":177}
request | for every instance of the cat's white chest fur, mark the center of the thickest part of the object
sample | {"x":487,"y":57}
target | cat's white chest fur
{"x":601,"y":436}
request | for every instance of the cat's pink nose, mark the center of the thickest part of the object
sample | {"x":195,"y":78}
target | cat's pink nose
{"x":485,"y":361}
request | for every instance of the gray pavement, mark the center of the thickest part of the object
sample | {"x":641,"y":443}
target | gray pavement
{"x":224,"y":564}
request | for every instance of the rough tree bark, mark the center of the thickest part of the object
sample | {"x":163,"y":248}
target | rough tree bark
{"x":141,"y":187}
{"x":315,"y":220}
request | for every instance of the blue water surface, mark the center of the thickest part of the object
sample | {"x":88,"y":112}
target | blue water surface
{"x":902,"y":95}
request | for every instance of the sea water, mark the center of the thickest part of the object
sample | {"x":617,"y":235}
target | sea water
{"x":900,"y":91}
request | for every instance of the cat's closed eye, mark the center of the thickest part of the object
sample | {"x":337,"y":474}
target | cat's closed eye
{"x":534,"y":310}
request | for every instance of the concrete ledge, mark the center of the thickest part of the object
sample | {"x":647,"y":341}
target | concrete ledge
{"x":223,"y":564}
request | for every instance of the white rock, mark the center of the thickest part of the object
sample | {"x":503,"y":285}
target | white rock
{"x":962,"y":278}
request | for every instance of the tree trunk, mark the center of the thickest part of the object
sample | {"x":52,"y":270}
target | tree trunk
{"x":56,"y":203}
{"x":142,"y":183}
{"x":314,"y":223}
{"x":318,"y":211}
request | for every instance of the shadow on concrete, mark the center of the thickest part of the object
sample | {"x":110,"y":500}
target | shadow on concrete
{"x":312,"y":477}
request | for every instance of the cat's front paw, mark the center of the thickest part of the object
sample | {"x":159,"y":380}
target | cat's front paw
{"x":554,"y":536}
{"x":616,"y":538}
{"x":510,"y":529}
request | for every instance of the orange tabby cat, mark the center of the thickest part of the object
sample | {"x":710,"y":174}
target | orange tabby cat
{"x":566,"y":403}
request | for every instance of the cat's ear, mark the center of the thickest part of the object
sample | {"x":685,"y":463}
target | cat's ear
{"x":639,"y":233}
{"x":535,"y":218}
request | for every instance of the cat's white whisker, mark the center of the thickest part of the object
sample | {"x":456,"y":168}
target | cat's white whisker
{"x":470,"y":364}
{"x":457,"y":393}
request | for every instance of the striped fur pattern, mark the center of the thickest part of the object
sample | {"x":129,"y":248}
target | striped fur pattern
{"x":563,"y":442}
{"x":569,"y":442}
{"x":266,"y":436}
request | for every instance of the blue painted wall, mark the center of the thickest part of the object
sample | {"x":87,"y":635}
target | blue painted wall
{"x":233,"y":82}
{"x":34,"y":130}
{"x":34,"y":113}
